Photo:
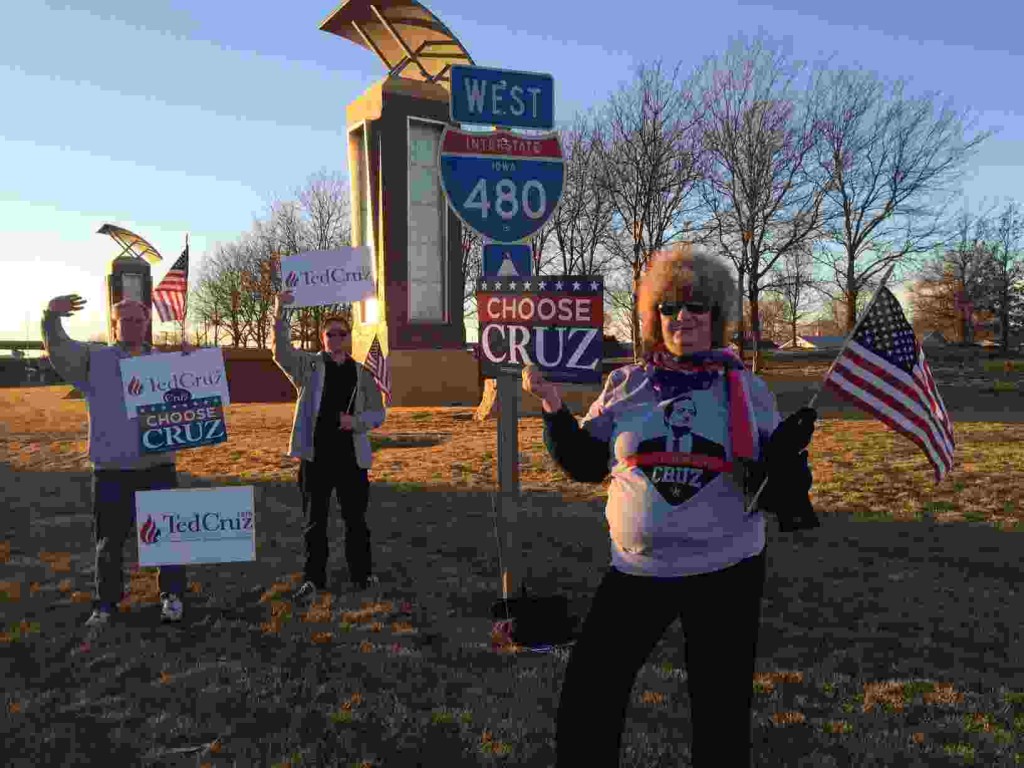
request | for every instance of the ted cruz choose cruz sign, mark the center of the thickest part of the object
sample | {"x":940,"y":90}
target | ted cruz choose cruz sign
{"x":147,"y":380}
{"x":177,"y":424}
{"x":196,"y":525}
{"x":554,"y":322}
{"x":316,"y":278}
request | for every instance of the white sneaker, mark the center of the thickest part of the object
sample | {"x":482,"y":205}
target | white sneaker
{"x":98,"y":619}
{"x":171,"y":608}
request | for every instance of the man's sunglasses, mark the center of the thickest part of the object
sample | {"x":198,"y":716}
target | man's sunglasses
{"x":671,"y":308}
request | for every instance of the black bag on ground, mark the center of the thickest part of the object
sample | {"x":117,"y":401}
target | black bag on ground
{"x":537,"y":620}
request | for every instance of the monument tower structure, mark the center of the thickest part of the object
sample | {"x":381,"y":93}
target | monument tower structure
{"x":398,"y":207}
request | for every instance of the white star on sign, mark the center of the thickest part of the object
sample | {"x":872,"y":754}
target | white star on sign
{"x":558,"y":285}
{"x":512,"y":284}
{"x":576,"y":286}
{"x":543,"y":286}
{"x":526,"y":285}
{"x":594,"y":286}
{"x":483,"y":286}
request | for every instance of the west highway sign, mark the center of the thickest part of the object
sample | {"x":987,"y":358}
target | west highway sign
{"x":554,"y":322}
{"x":502,"y":185}
{"x":502,"y":97}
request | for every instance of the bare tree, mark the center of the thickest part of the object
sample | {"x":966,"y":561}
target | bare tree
{"x":793,"y":281}
{"x":760,"y":184}
{"x":583,"y":218}
{"x":1006,"y":272}
{"x":646,"y":170}
{"x":887,"y":164}
{"x":472,"y":268}
{"x":955,"y":277}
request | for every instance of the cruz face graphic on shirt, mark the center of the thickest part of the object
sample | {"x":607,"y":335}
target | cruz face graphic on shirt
{"x":678,"y":483}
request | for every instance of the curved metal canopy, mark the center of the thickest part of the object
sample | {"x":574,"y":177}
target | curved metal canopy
{"x":131,"y":243}
{"x":410,"y":40}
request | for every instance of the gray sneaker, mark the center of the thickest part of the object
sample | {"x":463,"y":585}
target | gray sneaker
{"x":305,"y":595}
{"x":170,"y":608}
{"x":98,"y":620}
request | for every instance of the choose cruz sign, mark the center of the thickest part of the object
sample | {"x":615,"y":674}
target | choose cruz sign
{"x":316,"y":278}
{"x":171,"y":426}
{"x":502,"y":97}
{"x":554,"y":322}
{"x":196,"y":525}
{"x":173,"y":377}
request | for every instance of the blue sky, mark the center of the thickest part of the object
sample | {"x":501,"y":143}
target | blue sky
{"x":175,"y":116}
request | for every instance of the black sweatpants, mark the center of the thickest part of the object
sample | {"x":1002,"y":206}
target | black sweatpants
{"x":351,"y":485}
{"x":720,"y":615}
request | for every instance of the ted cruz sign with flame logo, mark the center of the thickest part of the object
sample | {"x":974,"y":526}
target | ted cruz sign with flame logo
{"x":149,"y":379}
{"x":196,"y":525}
{"x":317,"y":278}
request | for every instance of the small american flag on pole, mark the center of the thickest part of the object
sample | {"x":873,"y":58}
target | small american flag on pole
{"x":882,"y":371}
{"x":377,"y":365}
{"x":169,"y":296}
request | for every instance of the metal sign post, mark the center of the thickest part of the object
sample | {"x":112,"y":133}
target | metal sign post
{"x":504,"y":186}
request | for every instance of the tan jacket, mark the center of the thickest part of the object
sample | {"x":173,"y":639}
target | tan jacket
{"x":305,"y":370}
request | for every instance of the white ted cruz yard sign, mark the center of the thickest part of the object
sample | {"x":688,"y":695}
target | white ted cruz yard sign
{"x":196,"y":525}
{"x":339,"y":276}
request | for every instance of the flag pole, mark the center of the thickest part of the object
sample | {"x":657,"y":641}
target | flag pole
{"x":821,"y":384}
{"x":184,"y":303}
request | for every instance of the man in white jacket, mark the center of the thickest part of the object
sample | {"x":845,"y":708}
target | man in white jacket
{"x":338,"y":404}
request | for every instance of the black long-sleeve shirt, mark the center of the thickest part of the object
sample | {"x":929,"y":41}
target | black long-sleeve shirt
{"x":583,"y":457}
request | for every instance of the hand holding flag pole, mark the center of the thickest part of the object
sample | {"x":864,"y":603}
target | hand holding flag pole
{"x":821,"y":384}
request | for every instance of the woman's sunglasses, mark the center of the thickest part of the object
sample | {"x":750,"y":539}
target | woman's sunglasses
{"x":671,"y":308}
{"x":342,"y":334}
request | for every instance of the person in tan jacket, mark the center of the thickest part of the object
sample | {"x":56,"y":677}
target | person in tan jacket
{"x":338,"y":404}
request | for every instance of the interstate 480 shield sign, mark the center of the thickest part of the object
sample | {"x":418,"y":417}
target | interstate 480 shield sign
{"x":554,"y":322}
{"x":500,"y":184}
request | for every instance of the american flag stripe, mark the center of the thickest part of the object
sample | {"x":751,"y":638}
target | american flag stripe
{"x":377,"y":365}
{"x":890,"y":405}
{"x":169,"y":296}
{"x":912,"y":396}
{"x":882,"y":370}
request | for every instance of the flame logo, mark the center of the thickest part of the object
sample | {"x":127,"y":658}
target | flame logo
{"x":292,"y":280}
{"x":149,"y":533}
{"x":135,"y":387}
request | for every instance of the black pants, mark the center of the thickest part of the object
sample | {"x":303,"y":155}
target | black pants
{"x":351,"y":485}
{"x":113,"y":509}
{"x":720,"y":614}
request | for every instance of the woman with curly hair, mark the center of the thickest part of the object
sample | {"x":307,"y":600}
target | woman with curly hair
{"x":687,"y":435}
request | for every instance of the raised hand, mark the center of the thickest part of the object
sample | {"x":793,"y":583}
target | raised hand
{"x":284,"y":298}
{"x":67,"y":305}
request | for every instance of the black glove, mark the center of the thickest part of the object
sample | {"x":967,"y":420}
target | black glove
{"x":787,"y":494}
{"x":792,"y":435}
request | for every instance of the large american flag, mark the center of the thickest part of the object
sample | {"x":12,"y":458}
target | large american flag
{"x":169,"y":296}
{"x":377,"y":365}
{"x":882,"y":371}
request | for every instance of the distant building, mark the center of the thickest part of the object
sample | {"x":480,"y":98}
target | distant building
{"x":815,"y":342}
{"x":934,"y":339}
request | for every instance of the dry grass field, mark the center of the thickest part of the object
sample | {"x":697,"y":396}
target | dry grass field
{"x":890,"y":636}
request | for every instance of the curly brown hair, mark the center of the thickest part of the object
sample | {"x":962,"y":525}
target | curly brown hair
{"x":685,"y":271}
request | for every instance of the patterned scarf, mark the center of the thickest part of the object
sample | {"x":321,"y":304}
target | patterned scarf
{"x":699,"y":370}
